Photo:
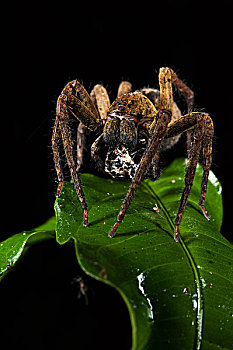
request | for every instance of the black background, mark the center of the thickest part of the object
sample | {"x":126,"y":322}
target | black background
{"x":42,"y":48}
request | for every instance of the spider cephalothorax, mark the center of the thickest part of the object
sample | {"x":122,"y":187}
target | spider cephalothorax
{"x":132,"y":131}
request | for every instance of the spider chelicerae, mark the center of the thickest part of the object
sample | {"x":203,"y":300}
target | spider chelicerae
{"x":130,"y":133}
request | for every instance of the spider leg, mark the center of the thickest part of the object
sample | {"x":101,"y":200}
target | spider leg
{"x":206,"y":163}
{"x":63,"y":120}
{"x":80,"y":104}
{"x":189,"y":96}
{"x":95,"y":148}
{"x":100,"y":97}
{"x":184,"y":89}
{"x":155,"y":170}
{"x":80,"y":144}
{"x":158,"y":131}
{"x":124,"y":88}
{"x":75,"y":99}
{"x":184,"y":123}
{"x":202,"y":135}
{"x":56,"y":156}
{"x":152,"y":148}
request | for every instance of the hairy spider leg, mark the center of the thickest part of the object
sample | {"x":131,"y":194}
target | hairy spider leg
{"x":124,"y":88}
{"x":55,"y":146}
{"x":164,"y":117}
{"x":62,"y":116}
{"x":155,"y":167}
{"x":189,"y":96}
{"x":80,"y":144}
{"x":81,"y":105}
{"x":95,"y":148}
{"x":158,"y":131}
{"x":202,"y":135}
{"x":74,"y":98}
{"x":206,"y":163}
{"x":100,"y":98}
{"x":184,"y":89}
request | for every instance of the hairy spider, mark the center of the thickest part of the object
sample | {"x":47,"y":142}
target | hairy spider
{"x":130,"y":134}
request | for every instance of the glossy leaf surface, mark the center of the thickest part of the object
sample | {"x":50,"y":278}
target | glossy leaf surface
{"x":179,"y":295}
{"x":12,"y":248}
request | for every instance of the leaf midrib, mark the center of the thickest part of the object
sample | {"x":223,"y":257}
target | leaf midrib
{"x":197,"y":280}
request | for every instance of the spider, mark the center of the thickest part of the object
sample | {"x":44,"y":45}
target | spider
{"x":130,"y":133}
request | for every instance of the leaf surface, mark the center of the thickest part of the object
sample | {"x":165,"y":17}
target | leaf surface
{"x":12,"y":248}
{"x":179,"y":295}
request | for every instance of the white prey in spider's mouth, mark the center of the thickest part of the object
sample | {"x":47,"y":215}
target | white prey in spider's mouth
{"x":120,"y":163}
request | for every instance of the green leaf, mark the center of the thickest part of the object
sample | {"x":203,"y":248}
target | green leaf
{"x":179,"y":295}
{"x":12,"y":248}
